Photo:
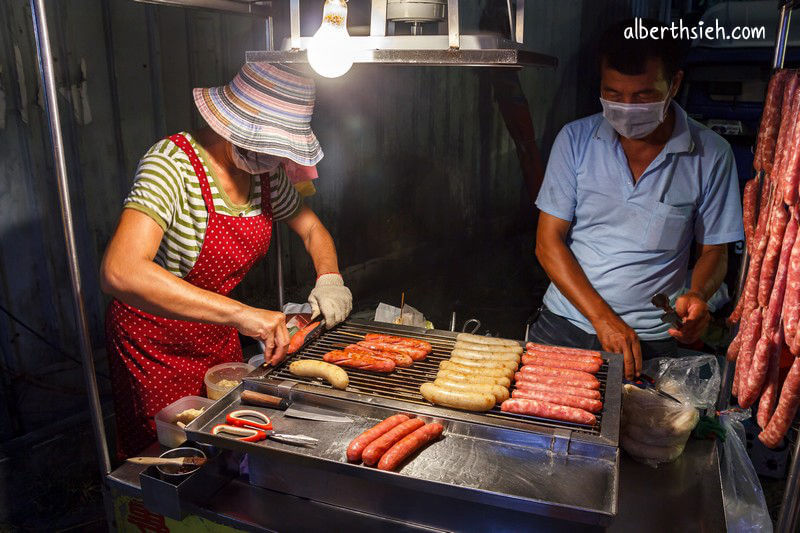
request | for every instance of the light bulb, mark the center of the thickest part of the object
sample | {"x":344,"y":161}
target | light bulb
{"x":330,"y":51}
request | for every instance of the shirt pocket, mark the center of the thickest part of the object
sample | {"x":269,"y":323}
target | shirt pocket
{"x":667,"y":226}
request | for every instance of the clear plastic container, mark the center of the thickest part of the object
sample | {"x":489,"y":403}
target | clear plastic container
{"x":169,"y":432}
{"x":256,"y":361}
{"x":222,"y":378}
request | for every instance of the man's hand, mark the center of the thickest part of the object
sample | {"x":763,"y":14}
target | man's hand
{"x":617,"y":337}
{"x":693,"y":310}
{"x":331,"y":299}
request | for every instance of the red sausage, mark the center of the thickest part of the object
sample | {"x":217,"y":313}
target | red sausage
{"x":410,"y":444}
{"x":735,"y":346}
{"x":749,"y":340}
{"x":532,"y":346}
{"x":749,"y":199}
{"x":548,"y":410}
{"x":400,"y":359}
{"x":788,"y":120}
{"x":357,"y":445}
{"x":593,"y":406}
{"x":769,"y":265}
{"x":359,"y":361}
{"x":391,"y":339}
{"x":769,"y":396}
{"x":556,"y":362}
{"x":544,"y":379}
{"x":299,"y":337}
{"x":561,"y":389}
{"x":770,"y":122}
{"x":559,"y":372}
{"x":373,"y":453}
{"x":787,"y":407}
{"x":417,"y":354}
{"x":791,"y":302}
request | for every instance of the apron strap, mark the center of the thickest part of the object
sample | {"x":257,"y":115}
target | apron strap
{"x":266,"y":194}
{"x":183,"y":143}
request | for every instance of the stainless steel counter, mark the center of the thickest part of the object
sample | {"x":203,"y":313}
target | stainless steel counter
{"x":683,"y":496}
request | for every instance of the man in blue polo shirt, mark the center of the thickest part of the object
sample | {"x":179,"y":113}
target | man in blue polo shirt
{"x":626,"y":193}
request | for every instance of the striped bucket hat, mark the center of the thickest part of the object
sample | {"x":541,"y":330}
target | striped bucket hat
{"x":266,"y":109}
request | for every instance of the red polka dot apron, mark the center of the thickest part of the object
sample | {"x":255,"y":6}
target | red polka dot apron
{"x":154,"y":360}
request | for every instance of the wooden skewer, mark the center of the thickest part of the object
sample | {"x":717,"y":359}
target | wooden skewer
{"x":351,"y":334}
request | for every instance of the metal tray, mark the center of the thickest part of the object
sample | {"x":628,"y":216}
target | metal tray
{"x":482,"y":471}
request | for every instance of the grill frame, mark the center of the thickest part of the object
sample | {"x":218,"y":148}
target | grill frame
{"x":369,"y":387}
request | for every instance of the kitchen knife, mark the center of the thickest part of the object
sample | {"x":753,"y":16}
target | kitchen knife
{"x":161,"y":461}
{"x":249,"y":397}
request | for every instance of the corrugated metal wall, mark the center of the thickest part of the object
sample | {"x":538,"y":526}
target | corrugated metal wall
{"x":418,"y":161}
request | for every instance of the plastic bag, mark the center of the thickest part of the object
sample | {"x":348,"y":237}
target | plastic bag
{"x":694,"y":379}
{"x":654,"y":428}
{"x":742,"y":496}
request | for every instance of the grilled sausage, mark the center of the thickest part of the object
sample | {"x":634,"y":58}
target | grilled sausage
{"x":549,"y":410}
{"x":591,"y":394}
{"x":593,"y":406}
{"x":557,"y":380}
{"x":468,"y":401}
{"x":488,"y":356}
{"x":474,"y":378}
{"x":408,"y":445}
{"x":358,"y":444}
{"x":500,"y":393}
{"x":417,"y":354}
{"x":400,"y":359}
{"x":299,"y":337}
{"x":556,"y":362}
{"x":392,"y":339}
{"x":477,"y":370}
{"x":373,"y":453}
{"x":359,"y":361}
{"x":482,"y":339}
{"x":494,"y":348}
{"x":320,"y":369}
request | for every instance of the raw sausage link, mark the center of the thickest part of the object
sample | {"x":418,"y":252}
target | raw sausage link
{"x":791,"y":302}
{"x":591,"y":394}
{"x":566,"y":355}
{"x":561,"y":349}
{"x":748,"y":390}
{"x":786,"y":409}
{"x":749,"y":199}
{"x":770,"y":122}
{"x":735,"y":346}
{"x":410,"y":444}
{"x":775,"y":304}
{"x":593,"y":406}
{"x":735,"y":385}
{"x":750,"y":293}
{"x":749,"y":339}
{"x":791,"y":168}
{"x":555,"y":362}
{"x":357,"y":445}
{"x":788,"y":120}
{"x":555,"y":381}
{"x":549,"y":410}
{"x":769,"y":396}
{"x":769,"y":264}
{"x":559,"y":372}
{"x":373,"y":453}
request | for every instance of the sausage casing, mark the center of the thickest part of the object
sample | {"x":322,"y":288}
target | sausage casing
{"x":468,"y":401}
{"x":375,"y":450}
{"x":409,"y":444}
{"x":358,"y":444}
{"x":320,"y":369}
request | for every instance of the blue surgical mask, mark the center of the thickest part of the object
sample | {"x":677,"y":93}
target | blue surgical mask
{"x":253,"y":162}
{"x":635,"y":121}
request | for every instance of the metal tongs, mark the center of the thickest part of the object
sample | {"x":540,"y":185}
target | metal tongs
{"x":643,"y":381}
{"x":670,"y":316}
{"x":248,"y":430}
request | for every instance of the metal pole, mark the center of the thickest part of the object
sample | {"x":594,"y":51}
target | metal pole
{"x":279,"y":253}
{"x":377,"y":18}
{"x":453,"y":25}
{"x":294,"y":24}
{"x":45,"y":56}
{"x":519,"y":25}
{"x":783,"y":34}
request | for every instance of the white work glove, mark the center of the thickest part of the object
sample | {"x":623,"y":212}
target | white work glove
{"x":330,"y":298}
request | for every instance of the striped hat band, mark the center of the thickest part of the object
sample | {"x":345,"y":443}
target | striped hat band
{"x":265,"y":108}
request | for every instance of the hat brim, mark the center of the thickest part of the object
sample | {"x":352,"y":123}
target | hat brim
{"x":251,"y":131}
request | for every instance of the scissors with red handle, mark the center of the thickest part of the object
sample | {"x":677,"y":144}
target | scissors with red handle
{"x":249,"y":425}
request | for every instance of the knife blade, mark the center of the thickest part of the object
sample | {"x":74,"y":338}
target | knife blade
{"x":259,"y":399}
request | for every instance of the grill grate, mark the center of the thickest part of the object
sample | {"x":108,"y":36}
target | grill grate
{"x":403,"y":383}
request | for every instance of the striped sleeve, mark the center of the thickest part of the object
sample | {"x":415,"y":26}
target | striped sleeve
{"x":284,"y":198}
{"x":156,"y":187}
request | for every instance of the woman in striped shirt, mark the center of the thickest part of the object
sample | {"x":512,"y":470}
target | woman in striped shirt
{"x":198,"y":216}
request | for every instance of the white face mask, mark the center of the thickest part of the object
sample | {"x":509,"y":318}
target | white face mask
{"x":253,"y":162}
{"x":635,"y":121}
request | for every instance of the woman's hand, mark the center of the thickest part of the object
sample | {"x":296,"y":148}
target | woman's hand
{"x":618,"y":337}
{"x":267,"y":326}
